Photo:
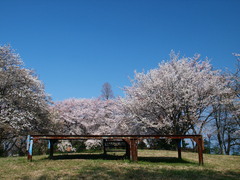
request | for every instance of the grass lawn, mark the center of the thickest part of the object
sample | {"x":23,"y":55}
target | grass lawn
{"x":152,"y":164}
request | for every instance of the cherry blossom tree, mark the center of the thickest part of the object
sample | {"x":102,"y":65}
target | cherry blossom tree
{"x":88,"y":116}
{"x":176,"y":97}
{"x":226,"y":116}
{"x":237,"y":92}
{"x":23,"y":101}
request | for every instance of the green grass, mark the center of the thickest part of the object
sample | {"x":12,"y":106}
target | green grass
{"x":152,"y":164}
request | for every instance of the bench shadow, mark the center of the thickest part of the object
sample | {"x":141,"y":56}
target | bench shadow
{"x":164,"y":160}
{"x":118,"y":157}
{"x":86,"y":156}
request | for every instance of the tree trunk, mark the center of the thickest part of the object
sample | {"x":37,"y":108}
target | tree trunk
{"x":228,"y":144}
{"x":220,"y":142}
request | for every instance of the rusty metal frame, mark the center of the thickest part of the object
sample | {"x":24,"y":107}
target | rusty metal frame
{"x":130,"y":140}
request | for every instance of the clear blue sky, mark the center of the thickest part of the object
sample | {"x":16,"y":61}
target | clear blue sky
{"x":77,"y":45}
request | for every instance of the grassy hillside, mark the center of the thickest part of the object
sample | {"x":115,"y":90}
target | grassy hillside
{"x":152,"y":164}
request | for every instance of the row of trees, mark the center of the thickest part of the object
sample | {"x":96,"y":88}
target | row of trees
{"x":182,"y":96}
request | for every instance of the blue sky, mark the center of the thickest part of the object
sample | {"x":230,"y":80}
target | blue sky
{"x":75,"y":46}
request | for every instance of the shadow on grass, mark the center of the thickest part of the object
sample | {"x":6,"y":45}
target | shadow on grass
{"x":164,"y":160}
{"x":87,"y":156}
{"x":142,"y":173}
{"x":155,"y":173}
{"x":116,"y":157}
